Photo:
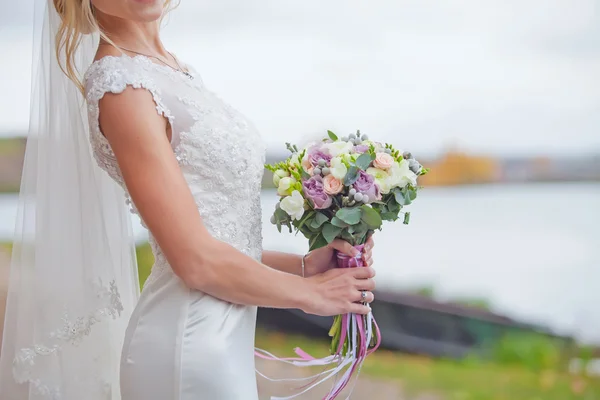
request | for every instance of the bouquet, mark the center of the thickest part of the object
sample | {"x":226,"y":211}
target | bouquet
{"x":344,"y":188}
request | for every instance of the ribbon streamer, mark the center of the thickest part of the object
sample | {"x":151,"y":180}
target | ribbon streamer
{"x":356,"y":330}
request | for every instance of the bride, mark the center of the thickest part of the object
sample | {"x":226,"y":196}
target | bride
{"x":191,"y":167}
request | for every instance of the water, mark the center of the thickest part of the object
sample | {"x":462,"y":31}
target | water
{"x":532,"y":250}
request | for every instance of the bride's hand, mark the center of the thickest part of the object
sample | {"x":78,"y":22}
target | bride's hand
{"x":324,"y":258}
{"x":339,"y":291}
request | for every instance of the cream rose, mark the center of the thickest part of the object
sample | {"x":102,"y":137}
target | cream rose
{"x":293,"y":205}
{"x":332,"y":185}
{"x":381,"y":179}
{"x":337,"y":168}
{"x":383,"y":161}
{"x":401,"y":175}
{"x":286,"y":186}
{"x":337,"y":148}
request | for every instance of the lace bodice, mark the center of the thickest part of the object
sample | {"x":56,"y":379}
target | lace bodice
{"x":220,"y":153}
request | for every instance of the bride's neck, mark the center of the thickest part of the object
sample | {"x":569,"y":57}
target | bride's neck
{"x":141,"y":37}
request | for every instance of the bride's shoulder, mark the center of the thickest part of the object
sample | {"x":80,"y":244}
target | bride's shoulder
{"x":113,"y":73}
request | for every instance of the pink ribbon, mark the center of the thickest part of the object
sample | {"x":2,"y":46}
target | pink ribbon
{"x":358,"y":330}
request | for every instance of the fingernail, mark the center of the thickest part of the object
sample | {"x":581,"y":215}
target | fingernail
{"x":355,"y":252}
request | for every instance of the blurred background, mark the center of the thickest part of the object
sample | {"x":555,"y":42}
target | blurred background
{"x":492,"y":290}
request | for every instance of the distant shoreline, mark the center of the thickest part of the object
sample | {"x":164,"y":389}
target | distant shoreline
{"x":452,"y":169}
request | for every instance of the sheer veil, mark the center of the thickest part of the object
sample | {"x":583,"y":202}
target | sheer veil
{"x":73,"y":277}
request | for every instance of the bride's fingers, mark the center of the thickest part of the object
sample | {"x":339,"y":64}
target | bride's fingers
{"x":368,"y":298}
{"x":365,"y":284}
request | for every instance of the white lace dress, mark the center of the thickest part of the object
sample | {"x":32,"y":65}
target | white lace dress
{"x":182,"y":344}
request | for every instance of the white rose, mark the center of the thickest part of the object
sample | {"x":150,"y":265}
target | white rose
{"x":337,"y":168}
{"x":382,"y":179}
{"x":401,"y":175}
{"x":286,"y":185}
{"x":293,"y":205}
{"x":277,"y":175}
{"x":337,"y":148}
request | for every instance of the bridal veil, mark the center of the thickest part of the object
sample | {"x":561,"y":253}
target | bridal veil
{"x":73,"y":276}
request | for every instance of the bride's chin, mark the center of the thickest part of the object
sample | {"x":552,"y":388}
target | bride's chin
{"x":147,"y":10}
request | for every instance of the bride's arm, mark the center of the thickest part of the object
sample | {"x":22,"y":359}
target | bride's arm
{"x":137,"y":135}
{"x":317,"y":261}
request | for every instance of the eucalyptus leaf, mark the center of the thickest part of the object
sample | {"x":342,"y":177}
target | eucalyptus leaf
{"x":303,"y":221}
{"x":392,"y":206}
{"x":370,"y":217}
{"x":401,"y":198}
{"x":389,"y":216}
{"x":332,"y":135}
{"x":347,"y":236}
{"x":281,"y":215}
{"x":279,"y":226}
{"x":351,"y":176}
{"x":361,"y":228}
{"x":335,"y":221}
{"x":318,"y":220}
{"x":363,"y":161}
{"x":316,"y":242}
{"x":330,"y":232}
{"x":412,"y":194}
{"x":350,"y":215}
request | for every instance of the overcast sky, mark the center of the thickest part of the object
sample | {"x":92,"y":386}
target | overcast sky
{"x":494,"y":76}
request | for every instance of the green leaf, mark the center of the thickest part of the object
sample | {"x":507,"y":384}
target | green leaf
{"x":389,"y":216}
{"x":319,"y":220}
{"x":412,"y":194}
{"x":307,"y":216}
{"x":350,"y":215}
{"x":330,"y":232}
{"x":279,"y":226}
{"x":370,"y":217}
{"x":316,"y":242}
{"x":351,"y":176}
{"x":347,"y":236}
{"x":281,"y":215}
{"x":361,"y":228}
{"x":401,"y":198}
{"x":305,"y":175}
{"x":332,"y":135}
{"x":363,"y":161}
{"x":335,"y":221}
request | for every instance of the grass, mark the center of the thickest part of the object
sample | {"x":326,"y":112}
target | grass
{"x":449,"y":379}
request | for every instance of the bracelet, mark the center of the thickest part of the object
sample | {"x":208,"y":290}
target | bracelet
{"x":303,"y":257}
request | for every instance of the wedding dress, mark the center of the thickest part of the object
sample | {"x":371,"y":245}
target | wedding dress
{"x":182,"y":344}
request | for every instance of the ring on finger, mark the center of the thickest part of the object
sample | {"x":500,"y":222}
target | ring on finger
{"x":363,"y":295}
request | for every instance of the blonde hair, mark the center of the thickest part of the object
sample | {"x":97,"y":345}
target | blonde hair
{"x":77,"y":20}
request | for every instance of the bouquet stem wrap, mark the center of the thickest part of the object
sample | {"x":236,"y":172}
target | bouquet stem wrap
{"x":353,"y":338}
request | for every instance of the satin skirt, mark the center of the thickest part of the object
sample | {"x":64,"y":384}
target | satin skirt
{"x":182,"y":344}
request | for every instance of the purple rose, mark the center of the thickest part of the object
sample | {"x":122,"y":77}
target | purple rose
{"x":313,"y":190}
{"x":366,"y":185}
{"x":361,"y":148}
{"x":315,"y":154}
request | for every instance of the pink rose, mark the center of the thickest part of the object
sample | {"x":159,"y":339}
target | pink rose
{"x":383,"y":161}
{"x":306,"y":165}
{"x":332,"y":185}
